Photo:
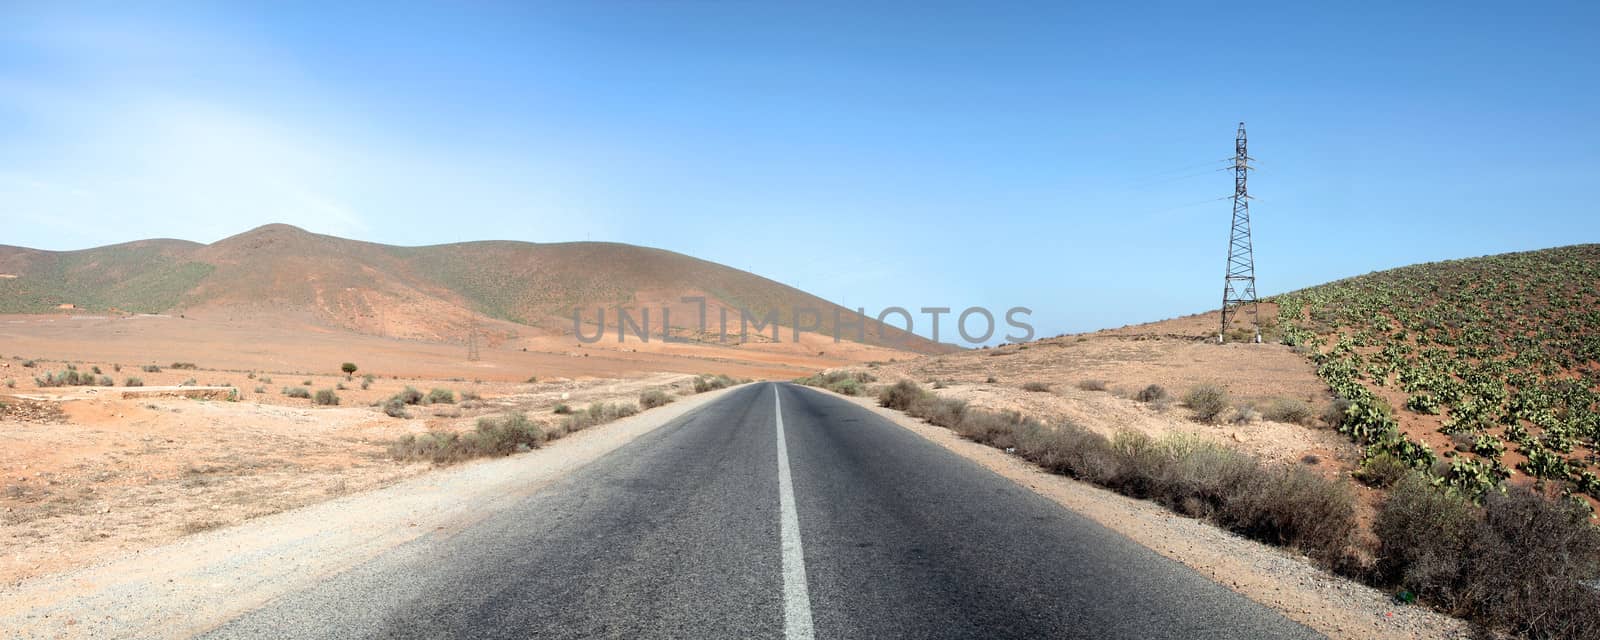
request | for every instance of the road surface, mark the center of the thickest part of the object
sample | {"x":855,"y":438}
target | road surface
{"x":776,"y":511}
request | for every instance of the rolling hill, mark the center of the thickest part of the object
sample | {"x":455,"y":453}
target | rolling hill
{"x":1485,"y":369}
{"x":279,"y":272}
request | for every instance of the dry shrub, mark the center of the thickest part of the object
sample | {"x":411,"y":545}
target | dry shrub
{"x":900,"y":395}
{"x":493,"y":437}
{"x":1288,"y":410}
{"x":1152,"y":393}
{"x":441,"y":396}
{"x":326,"y":397}
{"x":1092,"y":385}
{"x":1208,"y":402}
{"x":1519,"y":563}
{"x":1036,"y":386}
{"x":1280,"y":505}
{"x":654,"y":398}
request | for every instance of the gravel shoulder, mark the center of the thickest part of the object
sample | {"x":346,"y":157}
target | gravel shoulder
{"x":1291,"y":585}
{"x":200,"y":581}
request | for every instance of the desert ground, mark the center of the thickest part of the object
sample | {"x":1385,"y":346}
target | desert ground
{"x":91,"y":472}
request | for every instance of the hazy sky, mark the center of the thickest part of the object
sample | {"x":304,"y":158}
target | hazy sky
{"x":915,"y":154}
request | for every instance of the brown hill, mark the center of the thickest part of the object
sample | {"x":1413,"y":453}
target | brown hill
{"x":514,"y":290}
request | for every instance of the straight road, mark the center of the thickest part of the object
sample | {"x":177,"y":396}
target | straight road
{"x":777,"y":511}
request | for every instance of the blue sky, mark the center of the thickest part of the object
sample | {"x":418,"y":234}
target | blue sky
{"x":1049,"y":155}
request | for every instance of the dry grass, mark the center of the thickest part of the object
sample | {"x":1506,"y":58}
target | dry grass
{"x":1281,"y":505}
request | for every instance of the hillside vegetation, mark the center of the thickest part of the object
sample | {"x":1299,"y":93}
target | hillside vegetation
{"x":427,"y":292}
{"x":1478,"y":371}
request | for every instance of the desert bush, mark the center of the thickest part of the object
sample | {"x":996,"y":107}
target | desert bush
{"x":1335,"y":413}
{"x":150,"y":368}
{"x":654,"y":398}
{"x":1280,"y":505}
{"x":29,"y":364}
{"x":1036,"y":386}
{"x":339,"y":386}
{"x":188,"y":383}
{"x":395,"y":407}
{"x":366,"y":381}
{"x":1520,"y":563}
{"x":850,"y":383}
{"x":493,"y":437}
{"x":563,"y":409}
{"x":944,"y":412}
{"x":706,"y":383}
{"x":96,"y":370}
{"x":410,"y":395}
{"x":10,"y":383}
{"x":1288,"y":410}
{"x":1152,"y":393}
{"x":1382,"y":470}
{"x":297,"y":392}
{"x":326,"y":397}
{"x":1208,"y":401}
{"x":68,"y":378}
{"x":182,"y":365}
{"x":1092,"y":385}
{"x":261,"y":389}
{"x":1245,"y":414}
{"x":470,"y":395}
{"x":900,"y":395}
{"x":441,"y":396}
{"x":598,"y":413}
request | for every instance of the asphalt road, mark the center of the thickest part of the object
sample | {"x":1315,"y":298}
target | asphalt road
{"x":724,"y":524}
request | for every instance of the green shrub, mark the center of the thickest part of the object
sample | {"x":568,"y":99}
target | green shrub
{"x":410,"y":396}
{"x":654,"y":398}
{"x":150,"y":368}
{"x":1208,"y":402}
{"x":326,"y":397}
{"x":297,"y":392}
{"x":395,"y":407}
{"x":563,"y":409}
{"x":441,"y":396}
{"x":182,"y":365}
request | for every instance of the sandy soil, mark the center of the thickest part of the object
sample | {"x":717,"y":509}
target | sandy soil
{"x":106,"y":475}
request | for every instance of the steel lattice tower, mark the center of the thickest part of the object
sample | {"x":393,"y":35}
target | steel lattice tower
{"x":472,"y":339}
{"x":1239,"y":285}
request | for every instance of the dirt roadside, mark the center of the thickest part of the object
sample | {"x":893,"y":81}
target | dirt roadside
{"x":191,"y":585}
{"x":1291,"y":585}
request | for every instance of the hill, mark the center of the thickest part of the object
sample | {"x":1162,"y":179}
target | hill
{"x":517,"y":289}
{"x":1483,"y":369}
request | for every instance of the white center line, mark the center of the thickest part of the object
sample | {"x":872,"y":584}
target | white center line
{"x":796,"y":598}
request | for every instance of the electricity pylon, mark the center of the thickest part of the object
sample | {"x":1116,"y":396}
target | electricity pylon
{"x":1239,"y":284}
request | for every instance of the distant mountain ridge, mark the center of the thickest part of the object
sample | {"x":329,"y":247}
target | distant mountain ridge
{"x":427,"y":292}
